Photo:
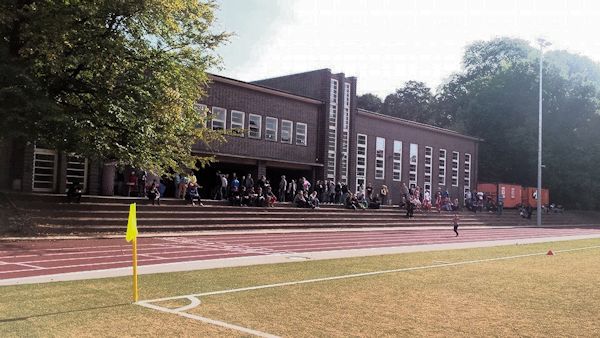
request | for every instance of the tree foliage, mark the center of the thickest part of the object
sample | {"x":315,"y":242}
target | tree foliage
{"x":411,"y":102}
{"x":369,"y":102}
{"x":107,"y":79}
{"x":496,"y":97}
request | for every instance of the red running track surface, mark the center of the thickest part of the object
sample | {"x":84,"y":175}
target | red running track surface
{"x":48,"y":257}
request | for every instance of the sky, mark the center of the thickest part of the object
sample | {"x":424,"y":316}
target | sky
{"x":385,"y":43}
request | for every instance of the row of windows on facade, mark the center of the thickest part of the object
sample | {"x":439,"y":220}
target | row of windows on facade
{"x":218,"y":121}
{"x":361,"y":164}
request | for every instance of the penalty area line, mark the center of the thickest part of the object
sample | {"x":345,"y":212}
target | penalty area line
{"x":195,"y":301}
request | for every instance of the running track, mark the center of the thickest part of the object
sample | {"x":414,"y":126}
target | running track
{"x":48,"y":257}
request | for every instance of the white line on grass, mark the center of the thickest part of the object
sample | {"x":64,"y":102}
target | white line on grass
{"x":195,"y":301}
{"x":208,"y":320}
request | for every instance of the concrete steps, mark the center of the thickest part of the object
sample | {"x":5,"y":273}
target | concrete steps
{"x":104,"y":215}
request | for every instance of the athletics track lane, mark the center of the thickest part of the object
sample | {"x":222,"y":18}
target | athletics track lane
{"x":48,"y":257}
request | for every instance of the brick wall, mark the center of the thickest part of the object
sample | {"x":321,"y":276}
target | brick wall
{"x":233,"y":97}
{"x":374,"y":126}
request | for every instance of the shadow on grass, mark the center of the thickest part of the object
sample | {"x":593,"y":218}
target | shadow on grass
{"x":16,"y":319}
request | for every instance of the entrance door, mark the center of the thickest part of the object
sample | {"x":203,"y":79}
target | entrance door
{"x":44,"y":170}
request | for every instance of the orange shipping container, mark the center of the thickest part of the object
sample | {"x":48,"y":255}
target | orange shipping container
{"x":512,"y":194}
{"x":488,"y":188}
{"x":528,"y":194}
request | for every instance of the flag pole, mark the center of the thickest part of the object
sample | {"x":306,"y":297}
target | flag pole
{"x":135,"y":279}
{"x":130,"y":236}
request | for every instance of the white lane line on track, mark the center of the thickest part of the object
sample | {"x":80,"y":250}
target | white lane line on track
{"x":30,"y":266}
{"x":180,"y":312}
{"x":332,"y":244}
{"x":314,"y":238}
{"x":232,"y":255}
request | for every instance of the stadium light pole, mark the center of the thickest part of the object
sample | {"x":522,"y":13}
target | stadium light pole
{"x":543,"y":43}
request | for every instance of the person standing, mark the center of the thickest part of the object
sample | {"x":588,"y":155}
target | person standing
{"x":410,"y":208}
{"x":455,"y":220}
{"x":383,"y":194}
{"x":249,"y":182}
{"x":500,"y":203}
{"x":282,"y":188}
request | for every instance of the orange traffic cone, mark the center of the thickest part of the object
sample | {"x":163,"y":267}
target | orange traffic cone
{"x":550,"y":253}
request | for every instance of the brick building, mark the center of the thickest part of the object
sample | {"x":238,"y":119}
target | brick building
{"x":303,"y":124}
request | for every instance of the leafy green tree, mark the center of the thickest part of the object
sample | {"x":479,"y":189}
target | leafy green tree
{"x":411,"y":102}
{"x":369,"y":102}
{"x":495,"y":97}
{"x":107,"y":79}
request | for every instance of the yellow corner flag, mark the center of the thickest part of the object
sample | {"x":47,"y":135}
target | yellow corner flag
{"x":131,"y":224}
{"x":131,"y":235}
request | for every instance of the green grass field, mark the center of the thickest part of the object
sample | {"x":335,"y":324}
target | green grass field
{"x":528,"y":296}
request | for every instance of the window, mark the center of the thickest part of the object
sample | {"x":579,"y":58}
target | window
{"x":271,"y":129}
{"x":345,"y":133}
{"x":237,"y":122}
{"x":380,"y":158}
{"x":455,"y":158}
{"x":218,"y":118}
{"x":201,"y":110}
{"x":332,"y":130}
{"x":442,"y":167}
{"x":301,"y":133}
{"x":361,"y":159}
{"x":397,"y":168}
{"x":77,"y":167}
{"x":428,"y":164}
{"x":286,"y":131}
{"x":254,"y":126}
{"x":414,"y":163}
{"x":45,"y":163}
{"x":467,"y":175}
{"x":334,"y":91}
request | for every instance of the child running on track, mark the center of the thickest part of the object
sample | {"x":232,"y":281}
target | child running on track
{"x":455,"y":221}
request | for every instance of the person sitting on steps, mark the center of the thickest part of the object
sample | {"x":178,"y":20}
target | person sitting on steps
{"x":193,"y":195}
{"x":153,"y":193}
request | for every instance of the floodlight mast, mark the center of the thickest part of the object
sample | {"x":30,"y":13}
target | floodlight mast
{"x":543,"y":43}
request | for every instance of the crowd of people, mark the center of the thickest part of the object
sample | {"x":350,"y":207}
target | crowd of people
{"x":246,"y":191}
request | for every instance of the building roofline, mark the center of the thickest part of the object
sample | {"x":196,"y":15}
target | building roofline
{"x":291,"y":74}
{"x":263,"y":89}
{"x":416,"y":124}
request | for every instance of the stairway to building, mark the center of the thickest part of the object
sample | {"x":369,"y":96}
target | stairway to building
{"x":50,"y":215}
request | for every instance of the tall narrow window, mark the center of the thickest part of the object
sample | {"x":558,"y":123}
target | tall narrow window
{"x":237,"y":122}
{"x":218,"y":118}
{"x":271,"y":129}
{"x":428,"y":166}
{"x":77,"y":168}
{"x":442,"y":167}
{"x":332,"y":130}
{"x":345,"y":133}
{"x":467,"y":176}
{"x":301,"y":133}
{"x":286,"y":131}
{"x":380,"y":158}
{"x":254,"y":126}
{"x":414,"y":164}
{"x":455,"y":159}
{"x":397,"y":169}
{"x":45,"y":163}
{"x":361,"y":159}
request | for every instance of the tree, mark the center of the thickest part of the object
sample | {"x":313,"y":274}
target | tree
{"x":495,"y":97}
{"x":411,"y":102}
{"x":107,"y":79}
{"x":369,"y":102}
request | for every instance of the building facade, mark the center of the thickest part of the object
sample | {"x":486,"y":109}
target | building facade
{"x":299,"y":125}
